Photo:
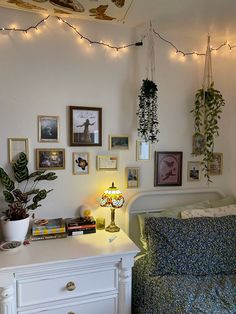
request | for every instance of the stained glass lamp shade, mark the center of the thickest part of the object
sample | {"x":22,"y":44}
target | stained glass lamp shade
{"x":112,"y":198}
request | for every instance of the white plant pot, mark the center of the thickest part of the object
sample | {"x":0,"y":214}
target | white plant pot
{"x":14,"y":230}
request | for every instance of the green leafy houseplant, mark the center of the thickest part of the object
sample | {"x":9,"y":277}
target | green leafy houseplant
{"x":22,"y":200}
{"x":207,"y":113}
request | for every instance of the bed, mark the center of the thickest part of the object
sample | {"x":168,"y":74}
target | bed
{"x":188,"y":265}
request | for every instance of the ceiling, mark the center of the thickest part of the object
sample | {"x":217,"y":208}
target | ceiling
{"x":133,"y":12}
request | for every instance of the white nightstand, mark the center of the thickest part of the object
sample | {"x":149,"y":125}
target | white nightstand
{"x":86,"y":274}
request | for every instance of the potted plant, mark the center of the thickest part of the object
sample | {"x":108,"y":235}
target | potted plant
{"x":22,"y":196}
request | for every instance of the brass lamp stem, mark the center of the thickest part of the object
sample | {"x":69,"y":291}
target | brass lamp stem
{"x":112,"y":227}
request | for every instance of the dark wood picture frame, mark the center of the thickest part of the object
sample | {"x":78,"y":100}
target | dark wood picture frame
{"x":88,"y":122}
{"x":168,"y":169}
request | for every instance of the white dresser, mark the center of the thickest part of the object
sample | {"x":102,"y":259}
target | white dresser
{"x":87,"y":274}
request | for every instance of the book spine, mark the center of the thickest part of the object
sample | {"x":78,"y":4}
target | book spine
{"x":81,"y":227}
{"x":48,"y":231}
{"x":48,"y":237}
{"x":80,"y":232}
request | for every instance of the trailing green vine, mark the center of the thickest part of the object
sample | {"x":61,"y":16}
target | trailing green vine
{"x":207,"y":113}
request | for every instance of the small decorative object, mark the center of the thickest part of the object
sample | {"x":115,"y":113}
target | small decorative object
{"x":107,"y":163}
{"x":118,"y":142}
{"x":16,"y":146}
{"x":85,"y":126}
{"x":207,"y":113}
{"x":194,"y":170}
{"x":20,"y":200}
{"x":50,"y":158}
{"x":112,"y":198}
{"x":132,"y":177}
{"x":48,"y":128}
{"x":81,"y":163}
{"x":143,"y":151}
{"x":100,"y":223}
{"x":215,"y":166}
{"x":85,"y":211}
{"x":168,"y":169}
{"x":198,"y":144}
{"x":10,"y":245}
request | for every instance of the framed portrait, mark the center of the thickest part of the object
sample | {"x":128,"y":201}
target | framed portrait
{"x":48,"y":128}
{"x":143,"y":150}
{"x":107,"y":163}
{"x":168,"y":169}
{"x":132,"y":177}
{"x":85,"y":126}
{"x":81,"y":163}
{"x":50,"y":158}
{"x":118,"y":142}
{"x":198,"y":144}
{"x":215,"y":167}
{"x":16,"y":146}
{"x":194,"y":171}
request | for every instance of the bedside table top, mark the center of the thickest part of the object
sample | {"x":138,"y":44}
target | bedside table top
{"x":99,"y":244}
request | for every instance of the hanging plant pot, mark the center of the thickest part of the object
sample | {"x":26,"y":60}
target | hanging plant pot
{"x":147,"y":112}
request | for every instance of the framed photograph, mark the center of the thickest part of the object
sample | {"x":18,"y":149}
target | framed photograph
{"x":194,"y":170}
{"x":215,"y":167}
{"x":132,"y":177}
{"x":50,"y":158}
{"x":48,"y":128}
{"x":118,"y":142}
{"x":198,"y":144}
{"x":85,"y":126}
{"x":81,"y":163}
{"x":143,"y":150}
{"x":16,"y":146}
{"x":107,"y":163}
{"x":168,"y":169}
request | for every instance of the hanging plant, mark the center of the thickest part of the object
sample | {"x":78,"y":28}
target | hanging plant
{"x":147,"y":112}
{"x":207,"y":113}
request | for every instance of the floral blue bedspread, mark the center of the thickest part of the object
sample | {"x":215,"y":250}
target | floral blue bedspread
{"x":182,"y":294}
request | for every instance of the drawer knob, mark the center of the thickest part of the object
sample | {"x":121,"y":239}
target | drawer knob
{"x":70,"y":286}
{"x":71,"y":313}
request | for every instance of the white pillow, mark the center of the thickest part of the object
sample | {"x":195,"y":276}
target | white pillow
{"x":209,"y":212}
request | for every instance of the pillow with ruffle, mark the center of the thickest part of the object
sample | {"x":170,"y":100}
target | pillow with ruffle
{"x":209,"y":212}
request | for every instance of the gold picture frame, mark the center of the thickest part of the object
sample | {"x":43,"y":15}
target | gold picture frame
{"x":50,"y":158}
{"x":16,"y":146}
{"x":81,"y":163}
{"x":143,"y":150}
{"x":194,"y":171}
{"x":118,"y":142}
{"x":215,"y":167}
{"x":105,"y":162}
{"x":132,"y":177}
{"x":48,"y":129}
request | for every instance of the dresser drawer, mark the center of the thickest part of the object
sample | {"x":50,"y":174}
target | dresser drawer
{"x":63,"y":286}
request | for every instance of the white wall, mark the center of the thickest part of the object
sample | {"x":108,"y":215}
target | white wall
{"x":49,"y":71}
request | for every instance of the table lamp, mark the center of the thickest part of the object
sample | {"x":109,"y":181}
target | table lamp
{"x":112,"y":198}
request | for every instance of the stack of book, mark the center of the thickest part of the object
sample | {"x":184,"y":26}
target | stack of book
{"x":44,"y":229}
{"x":78,"y":226}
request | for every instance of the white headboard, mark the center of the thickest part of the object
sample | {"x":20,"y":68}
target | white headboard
{"x":162,"y":199}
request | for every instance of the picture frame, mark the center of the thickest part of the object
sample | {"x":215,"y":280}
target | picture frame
{"x":143,"y":150}
{"x":81,"y":163}
{"x":16,"y":146}
{"x":215,"y":167}
{"x":85,"y":126}
{"x":107,"y":162}
{"x":48,"y":129}
{"x":194,"y":171}
{"x":50,"y":158}
{"x":198,"y":144}
{"x":168,"y":168}
{"x":132,"y":177}
{"x":117,"y":142}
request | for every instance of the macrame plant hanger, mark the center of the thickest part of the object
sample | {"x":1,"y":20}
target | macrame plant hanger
{"x":147,"y":112}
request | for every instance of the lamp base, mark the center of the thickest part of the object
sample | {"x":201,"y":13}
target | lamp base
{"x":112,"y":228}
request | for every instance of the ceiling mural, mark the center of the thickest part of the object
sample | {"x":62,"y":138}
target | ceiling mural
{"x":107,"y":10}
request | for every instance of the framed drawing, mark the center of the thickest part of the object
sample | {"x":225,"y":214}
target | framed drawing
{"x":215,"y":167}
{"x":16,"y":146}
{"x":168,"y":169}
{"x":132,"y":177}
{"x":48,"y":128}
{"x":107,"y":163}
{"x":118,"y":142}
{"x":194,"y":170}
{"x":85,"y":126}
{"x":50,"y":158}
{"x":198,"y":144}
{"x":80,"y":163}
{"x":143,"y":150}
